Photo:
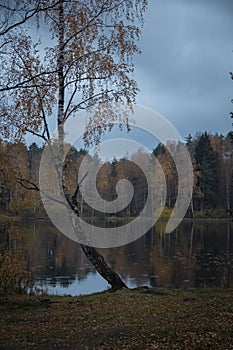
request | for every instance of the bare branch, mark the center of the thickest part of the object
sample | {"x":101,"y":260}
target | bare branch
{"x":23,"y":85}
{"x":27,"y":16}
{"x":71,"y":100}
{"x":86,"y":78}
{"x":79,"y":105}
{"x":29,"y":185}
{"x":74,"y":197}
{"x":36,"y":134}
{"x":46,"y":127}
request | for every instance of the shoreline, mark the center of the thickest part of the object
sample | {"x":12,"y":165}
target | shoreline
{"x":18,"y":218}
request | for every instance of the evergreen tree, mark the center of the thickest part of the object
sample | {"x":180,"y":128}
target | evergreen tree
{"x":206,"y":160}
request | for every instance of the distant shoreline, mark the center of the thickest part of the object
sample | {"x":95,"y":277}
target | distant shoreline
{"x":18,"y":218}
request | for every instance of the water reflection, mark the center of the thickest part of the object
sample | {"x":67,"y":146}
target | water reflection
{"x":196,"y":254}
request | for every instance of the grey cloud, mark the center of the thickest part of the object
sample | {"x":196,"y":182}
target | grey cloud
{"x":186,"y":58}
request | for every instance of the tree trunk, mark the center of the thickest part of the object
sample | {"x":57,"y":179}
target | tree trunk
{"x":103,"y":269}
{"x":91,"y":253}
{"x":96,"y":259}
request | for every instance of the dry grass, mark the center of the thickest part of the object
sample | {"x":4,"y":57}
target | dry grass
{"x":128,"y":319}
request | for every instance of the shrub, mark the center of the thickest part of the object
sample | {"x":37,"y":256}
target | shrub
{"x":217,"y":213}
{"x":13,"y":275}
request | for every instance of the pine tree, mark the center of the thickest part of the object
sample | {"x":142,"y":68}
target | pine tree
{"x":206,"y":161}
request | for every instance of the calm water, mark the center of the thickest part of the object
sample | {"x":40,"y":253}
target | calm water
{"x":196,"y":255}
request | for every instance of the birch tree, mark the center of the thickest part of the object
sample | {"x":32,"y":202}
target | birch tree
{"x":61,"y":57}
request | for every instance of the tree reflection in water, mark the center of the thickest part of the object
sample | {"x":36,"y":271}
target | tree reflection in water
{"x":196,"y":254}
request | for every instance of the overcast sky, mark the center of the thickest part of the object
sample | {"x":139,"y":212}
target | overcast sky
{"x":183,"y":71}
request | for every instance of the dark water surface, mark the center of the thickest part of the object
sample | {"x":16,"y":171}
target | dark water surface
{"x":197,"y":254}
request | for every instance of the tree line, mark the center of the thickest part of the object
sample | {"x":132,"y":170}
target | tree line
{"x":212,"y":161}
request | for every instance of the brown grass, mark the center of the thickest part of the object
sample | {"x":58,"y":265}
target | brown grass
{"x":128,"y":319}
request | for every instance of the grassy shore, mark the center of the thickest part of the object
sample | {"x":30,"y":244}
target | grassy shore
{"x":128,"y":319}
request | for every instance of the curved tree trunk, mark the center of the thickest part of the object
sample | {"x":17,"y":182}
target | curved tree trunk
{"x":96,"y":259}
{"x":91,"y":253}
{"x":102,"y":267}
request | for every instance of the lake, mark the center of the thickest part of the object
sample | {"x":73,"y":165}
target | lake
{"x":196,"y":255}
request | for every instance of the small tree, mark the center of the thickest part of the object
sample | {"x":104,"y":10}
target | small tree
{"x":14,"y":277}
{"x":81,"y":57}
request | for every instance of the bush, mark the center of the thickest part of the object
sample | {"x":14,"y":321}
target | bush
{"x":13,"y":275}
{"x":166,"y":213}
{"x":217,"y":213}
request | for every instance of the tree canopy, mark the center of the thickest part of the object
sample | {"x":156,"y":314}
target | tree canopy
{"x":59,"y":57}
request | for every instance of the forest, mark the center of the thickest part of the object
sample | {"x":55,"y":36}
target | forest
{"x":212,"y":161}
